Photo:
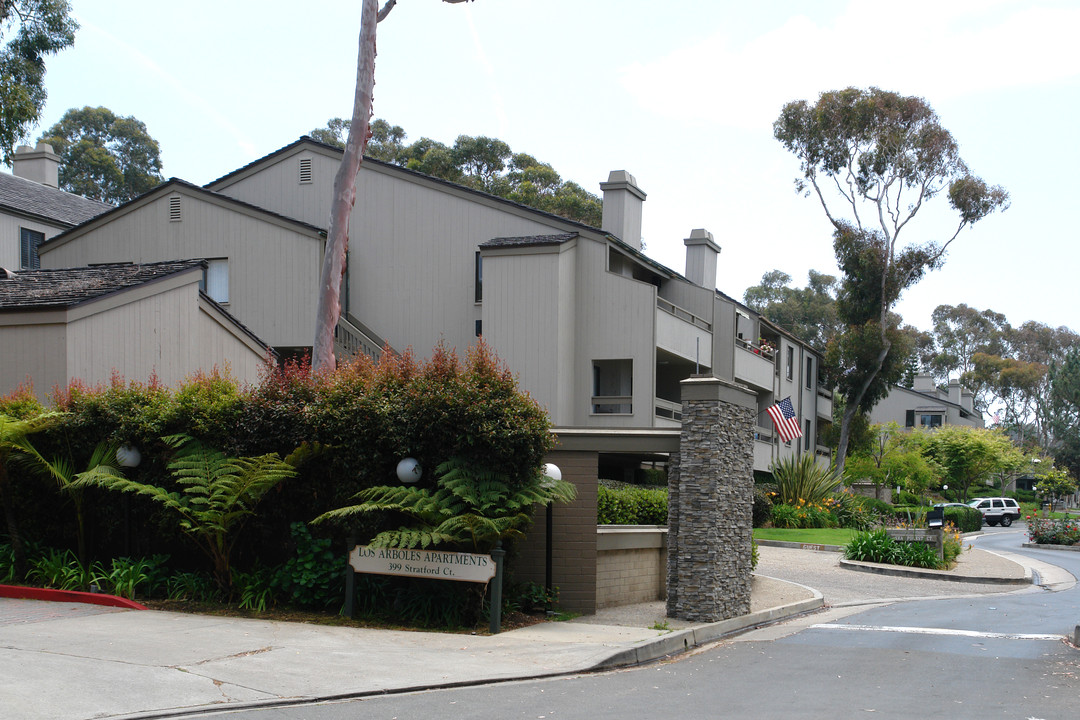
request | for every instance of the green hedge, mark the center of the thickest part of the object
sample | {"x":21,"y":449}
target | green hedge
{"x":631,"y":506}
{"x":966,"y":519}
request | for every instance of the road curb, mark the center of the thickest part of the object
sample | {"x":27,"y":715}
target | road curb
{"x":1037,"y":546}
{"x":800,"y":546}
{"x":18,"y":592}
{"x":927,"y":574}
{"x":681,"y":641}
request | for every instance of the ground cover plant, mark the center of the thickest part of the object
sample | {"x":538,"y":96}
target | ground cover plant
{"x":876,"y":546}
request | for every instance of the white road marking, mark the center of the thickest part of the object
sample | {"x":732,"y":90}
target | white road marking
{"x":937,"y":631}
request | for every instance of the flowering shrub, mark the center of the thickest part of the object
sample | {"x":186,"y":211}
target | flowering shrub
{"x":1045,"y":531}
{"x":803,"y":515}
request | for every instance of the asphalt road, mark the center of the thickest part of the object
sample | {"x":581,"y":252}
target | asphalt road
{"x":979,"y":655}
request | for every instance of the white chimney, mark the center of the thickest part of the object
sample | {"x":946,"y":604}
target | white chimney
{"x":622,"y":207}
{"x":924,"y":384}
{"x":954,"y":391}
{"x":40,"y":165}
{"x":701,"y":254}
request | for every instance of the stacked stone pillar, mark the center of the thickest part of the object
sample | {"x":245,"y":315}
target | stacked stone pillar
{"x":710,"y":499}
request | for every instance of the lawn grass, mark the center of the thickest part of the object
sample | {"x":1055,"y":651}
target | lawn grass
{"x":818,"y":536}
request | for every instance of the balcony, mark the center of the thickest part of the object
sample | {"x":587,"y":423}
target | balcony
{"x":824,"y":405}
{"x":667,"y":413}
{"x":763,"y":448}
{"x":754,"y":364}
{"x":682,"y":333}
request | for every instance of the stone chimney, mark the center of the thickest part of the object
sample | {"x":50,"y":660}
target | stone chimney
{"x":622,"y":207}
{"x":924,"y":384}
{"x":701,"y":254}
{"x":40,"y":165}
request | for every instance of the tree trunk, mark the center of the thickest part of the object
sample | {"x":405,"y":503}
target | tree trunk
{"x":337,"y":240}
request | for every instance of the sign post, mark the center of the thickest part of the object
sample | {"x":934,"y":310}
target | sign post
{"x":436,"y":565}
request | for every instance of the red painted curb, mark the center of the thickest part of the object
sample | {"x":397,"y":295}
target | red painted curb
{"x":33,"y":593}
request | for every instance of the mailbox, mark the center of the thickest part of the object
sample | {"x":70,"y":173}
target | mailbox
{"x":935,"y":517}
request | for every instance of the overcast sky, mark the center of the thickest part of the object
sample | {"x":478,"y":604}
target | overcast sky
{"x":682,"y":95}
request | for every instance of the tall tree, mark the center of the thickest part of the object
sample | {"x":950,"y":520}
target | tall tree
{"x":884,"y":155}
{"x":808,"y":313}
{"x":959,"y":333}
{"x":104,"y":156}
{"x":969,"y":455}
{"x":1064,"y":406}
{"x":35,"y":29}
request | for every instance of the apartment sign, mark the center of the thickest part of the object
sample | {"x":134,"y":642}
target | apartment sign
{"x":434,"y":564}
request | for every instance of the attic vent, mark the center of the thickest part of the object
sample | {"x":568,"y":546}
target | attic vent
{"x":305,"y":171}
{"x":174,"y":208}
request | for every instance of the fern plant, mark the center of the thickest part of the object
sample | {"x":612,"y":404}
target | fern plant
{"x":469,"y":506}
{"x":217,"y":493}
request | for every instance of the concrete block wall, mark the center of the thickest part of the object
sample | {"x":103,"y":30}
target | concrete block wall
{"x":631,"y":565}
{"x":573,"y":535}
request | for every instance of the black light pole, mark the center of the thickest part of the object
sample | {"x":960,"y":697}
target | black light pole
{"x":552,"y":474}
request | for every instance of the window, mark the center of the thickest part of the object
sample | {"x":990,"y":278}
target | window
{"x":478,"y":271}
{"x":806,"y":434}
{"x":479,"y":328}
{"x":930,"y":420}
{"x":790,"y":362}
{"x":909,"y":418}
{"x":29,"y":240}
{"x":809,"y":373}
{"x":215,"y":282}
{"x":613,"y":387}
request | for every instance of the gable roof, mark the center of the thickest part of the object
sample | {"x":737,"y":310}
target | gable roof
{"x":26,"y":197}
{"x":457,"y":187}
{"x":68,"y":287}
{"x":173,"y":183}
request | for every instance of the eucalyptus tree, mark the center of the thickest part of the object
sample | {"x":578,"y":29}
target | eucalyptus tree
{"x":33,"y":29}
{"x":344,"y":193}
{"x":872,"y":158}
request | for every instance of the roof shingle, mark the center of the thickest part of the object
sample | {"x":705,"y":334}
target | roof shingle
{"x":63,"y":208}
{"x":67,"y":287}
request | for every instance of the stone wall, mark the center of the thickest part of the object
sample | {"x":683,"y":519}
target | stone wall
{"x":710,"y":496}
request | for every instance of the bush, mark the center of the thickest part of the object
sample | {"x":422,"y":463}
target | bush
{"x":803,"y":481}
{"x":314,"y":576}
{"x":878,"y":547}
{"x":631,"y":506}
{"x":966,"y":519}
{"x":762,"y":509}
{"x":1045,"y":531}
{"x":802,"y":516}
{"x":909,"y":498}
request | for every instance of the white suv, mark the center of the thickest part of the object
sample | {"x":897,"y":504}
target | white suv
{"x":997,"y":510}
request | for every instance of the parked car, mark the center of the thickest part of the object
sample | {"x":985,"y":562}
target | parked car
{"x":945,"y":505}
{"x":997,"y":510}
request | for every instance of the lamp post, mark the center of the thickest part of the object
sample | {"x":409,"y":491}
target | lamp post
{"x":128,"y":456}
{"x":552,"y":475}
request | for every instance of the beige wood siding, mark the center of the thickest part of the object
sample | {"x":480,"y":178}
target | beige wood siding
{"x":522,"y":323}
{"x":616,"y":318}
{"x":273,"y":268}
{"x":167,"y":334}
{"x":33,"y":354}
{"x":10,"y":226}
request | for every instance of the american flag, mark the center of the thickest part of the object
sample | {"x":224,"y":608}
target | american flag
{"x":783,"y":418}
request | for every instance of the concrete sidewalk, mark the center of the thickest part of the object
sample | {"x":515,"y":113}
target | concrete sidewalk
{"x":65,"y":660}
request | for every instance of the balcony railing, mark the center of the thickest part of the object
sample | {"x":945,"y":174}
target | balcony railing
{"x":672,"y":309}
{"x":668,"y":410}
{"x":612,"y":405}
{"x":764,"y":349}
{"x":350,"y":340}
